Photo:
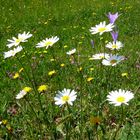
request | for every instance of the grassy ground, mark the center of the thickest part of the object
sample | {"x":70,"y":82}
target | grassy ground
{"x":70,"y":20}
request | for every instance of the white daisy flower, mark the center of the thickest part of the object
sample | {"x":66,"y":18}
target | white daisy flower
{"x":71,"y":51}
{"x":114,"y":45}
{"x":48,"y":42}
{"x":101,"y":28}
{"x":100,"y":56}
{"x":112,"y":60}
{"x":65,"y":96}
{"x":12,"y":52}
{"x":21,"y":38}
{"x":119,"y":97}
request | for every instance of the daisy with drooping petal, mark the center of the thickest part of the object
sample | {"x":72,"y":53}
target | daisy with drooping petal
{"x":101,"y":28}
{"x":21,"y":38}
{"x":71,"y":52}
{"x":48,"y":42}
{"x":12,"y":52}
{"x":65,"y":96}
{"x":113,"y":60}
{"x":23,"y":92}
{"x":114,"y":45}
{"x":119,"y":97}
{"x":100,"y":56}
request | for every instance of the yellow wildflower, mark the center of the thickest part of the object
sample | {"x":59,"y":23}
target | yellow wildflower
{"x":42,"y":88}
{"x":4,"y":122}
{"x":80,"y":42}
{"x":95,"y":120}
{"x":21,"y":70}
{"x":51,"y":72}
{"x":79,"y":69}
{"x":106,"y":41}
{"x":91,"y":69}
{"x":62,"y":65}
{"x":16,"y":75}
{"x":125,"y":74}
{"x":89,"y":79}
{"x":45,"y":22}
{"x":52,"y":60}
{"x":9,"y":128}
{"x":65,"y":46}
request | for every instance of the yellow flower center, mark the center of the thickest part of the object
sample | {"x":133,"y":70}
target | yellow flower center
{"x":13,"y":52}
{"x":113,"y":61}
{"x":49,"y":43}
{"x":114,"y":46}
{"x":18,"y":40}
{"x":121,"y":99}
{"x":102,"y":29}
{"x":27,"y":89}
{"x":101,"y":56}
{"x":65,"y":98}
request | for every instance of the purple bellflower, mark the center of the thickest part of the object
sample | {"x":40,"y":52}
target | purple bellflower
{"x":112,"y":17}
{"x":114,"y":35}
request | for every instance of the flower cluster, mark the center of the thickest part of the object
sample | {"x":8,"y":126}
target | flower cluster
{"x":16,"y":42}
{"x":108,"y":59}
{"x":68,"y":96}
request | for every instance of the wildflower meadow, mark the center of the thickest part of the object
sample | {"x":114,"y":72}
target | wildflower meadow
{"x":69,"y":70}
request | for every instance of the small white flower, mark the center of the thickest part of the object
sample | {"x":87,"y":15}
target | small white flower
{"x":12,"y":52}
{"x":112,"y":60}
{"x":100,"y":56}
{"x":71,"y":51}
{"x":21,"y":94}
{"x":114,"y":45}
{"x":101,"y":28}
{"x":65,"y":96}
{"x":119,"y":97}
{"x":21,"y":38}
{"x":48,"y":42}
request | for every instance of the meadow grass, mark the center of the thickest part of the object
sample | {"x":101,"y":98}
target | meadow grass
{"x":91,"y":117}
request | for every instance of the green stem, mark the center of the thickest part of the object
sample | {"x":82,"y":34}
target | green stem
{"x":32,"y":83}
{"x":37,"y":118}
